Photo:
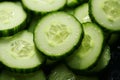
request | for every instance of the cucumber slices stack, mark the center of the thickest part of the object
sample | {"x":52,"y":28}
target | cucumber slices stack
{"x":37,"y":36}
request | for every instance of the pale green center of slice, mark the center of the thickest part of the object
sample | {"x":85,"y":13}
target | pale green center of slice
{"x":112,"y":9}
{"x":22,"y":49}
{"x":85,"y":46}
{"x":6,"y":16}
{"x":57,"y":34}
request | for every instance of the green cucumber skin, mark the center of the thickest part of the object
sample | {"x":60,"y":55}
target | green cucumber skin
{"x":95,"y":21}
{"x":29,"y":70}
{"x":17,"y":70}
{"x":99,"y":68}
{"x":91,"y":15}
{"x":12,"y":31}
{"x":106,"y":32}
{"x":14,"y":70}
{"x":24,"y":70}
{"x":83,"y":71}
{"x":16,"y":29}
{"x":65,"y":55}
{"x":69,"y":52}
{"x":41,"y":13}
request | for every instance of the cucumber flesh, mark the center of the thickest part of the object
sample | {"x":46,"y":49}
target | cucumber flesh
{"x":12,"y":18}
{"x":106,"y":13}
{"x":103,"y":60}
{"x":43,"y":5}
{"x":58,"y":34}
{"x":19,"y":53}
{"x":90,"y":49}
{"x":82,"y":14}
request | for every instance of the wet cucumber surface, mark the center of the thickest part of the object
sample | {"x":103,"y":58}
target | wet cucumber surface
{"x":56,"y":36}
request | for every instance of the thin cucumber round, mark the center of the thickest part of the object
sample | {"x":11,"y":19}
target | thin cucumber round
{"x":103,"y":61}
{"x":58,"y":34}
{"x":43,"y":6}
{"x":89,"y":50}
{"x":12,"y":18}
{"x":18,"y":53}
{"x":106,"y":13}
{"x":82,"y":14}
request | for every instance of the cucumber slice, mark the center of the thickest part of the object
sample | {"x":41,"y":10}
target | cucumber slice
{"x":90,"y":49}
{"x":103,"y":61}
{"x":18,"y":53}
{"x":44,"y":5}
{"x":58,"y":34}
{"x":81,"y":13}
{"x":61,"y":72}
{"x":106,"y":13}
{"x":12,"y":18}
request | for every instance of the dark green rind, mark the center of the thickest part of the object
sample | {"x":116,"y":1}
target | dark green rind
{"x":83,"y":71}
{"x":77,"y":9}
{"x":23,"y":70}
{"x":102,"y":62}
{"x":12,"y":31}
{"x":95,"y":21}
{"x":107,"y":33}
{"x":52,"y":57}
{"x":41,"y":12}
{"x":16,"y":29}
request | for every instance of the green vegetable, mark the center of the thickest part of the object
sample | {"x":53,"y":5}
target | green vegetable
{"x":58,"y":34}
{"x":18,"y":52}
